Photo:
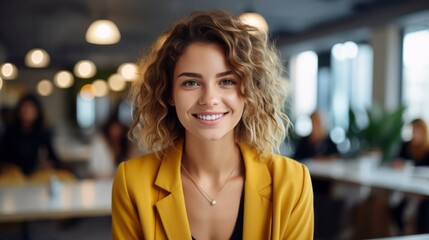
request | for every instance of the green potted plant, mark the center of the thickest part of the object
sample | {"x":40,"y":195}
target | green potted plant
{"x":382,"y":132}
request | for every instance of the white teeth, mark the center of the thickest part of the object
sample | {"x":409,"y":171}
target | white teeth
{"x":210,"y":117}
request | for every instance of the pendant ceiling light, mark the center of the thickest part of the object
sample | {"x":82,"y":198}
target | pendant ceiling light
{"x":128,"y":71}
{"x":103,"y":32}
{"x":37,"y":58}
{"x":63,"y":79}
{"x":255,"y":20}
{"x":8,"y":71}
{"x":85,"y":69}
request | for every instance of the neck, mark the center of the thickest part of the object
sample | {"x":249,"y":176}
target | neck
{"x":210,"y":157}
{"x":26,"y":127}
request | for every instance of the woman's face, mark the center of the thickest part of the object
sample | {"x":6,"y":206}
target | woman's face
{"x":115,"y":131}
{"x":418,"y":134}
{"x":28,"y":113}
{"x":206,"y":93}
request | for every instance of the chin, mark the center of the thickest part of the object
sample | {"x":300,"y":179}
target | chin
{"x":213,"y":136}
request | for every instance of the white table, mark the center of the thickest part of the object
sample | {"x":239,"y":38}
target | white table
{"x":409,"y":237}
{"x":86,"y":198}
{"x":349,"y":171}
{"x":355,"y":179}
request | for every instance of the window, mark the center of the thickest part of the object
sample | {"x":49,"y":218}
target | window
{"x":85,"y":111}
{"x":415,"y":85}
{"x":352,"y":78}
{"x":303,"y":74}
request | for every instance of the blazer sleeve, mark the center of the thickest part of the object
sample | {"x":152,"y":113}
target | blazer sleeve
{"x":301,"y":222}
{"x":125,"y":219}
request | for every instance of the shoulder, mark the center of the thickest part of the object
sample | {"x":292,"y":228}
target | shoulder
{"x":425,"y":161}
{"x":285,"y":167}
{"x":291,"y":182}
{"x":289,"y":177}
{"x":405,"y":144}
{"x":279,"y":166}
{"x":136,"y":175}
{"x":145,"y":164}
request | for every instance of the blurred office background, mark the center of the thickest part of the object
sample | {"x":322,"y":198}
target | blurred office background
{"x":355,"y":62}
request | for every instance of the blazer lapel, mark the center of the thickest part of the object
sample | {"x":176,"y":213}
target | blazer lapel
{"x":258,"y":196}
{"x":171,"y":208}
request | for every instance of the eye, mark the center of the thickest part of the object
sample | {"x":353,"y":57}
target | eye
{"x":227,"y":82}
{"x":190,"y":83}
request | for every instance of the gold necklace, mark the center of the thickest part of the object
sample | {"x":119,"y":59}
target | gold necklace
{"x":211,"y":200}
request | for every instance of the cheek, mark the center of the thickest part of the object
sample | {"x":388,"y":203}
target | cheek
{"x":180,"y":100}
{"x":182,"y":104}
{"x":236,"y":101}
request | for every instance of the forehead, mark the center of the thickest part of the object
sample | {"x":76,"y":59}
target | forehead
{"x":201,"y":57}
{"x":28,"y":103}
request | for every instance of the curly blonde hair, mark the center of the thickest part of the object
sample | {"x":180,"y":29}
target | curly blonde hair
{"x":250,"y":56}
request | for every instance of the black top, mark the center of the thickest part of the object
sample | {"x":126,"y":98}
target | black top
{"x":404,"y":154}
{"x":23,"y":149}
{"x":306,"y":149}
{"x":237,"y":233}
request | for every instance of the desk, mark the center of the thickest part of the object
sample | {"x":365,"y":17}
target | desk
{"x":354,"y":183}
{"x":409,"y":237}
{"x":386,"y":178}
{"x":86,"y":198}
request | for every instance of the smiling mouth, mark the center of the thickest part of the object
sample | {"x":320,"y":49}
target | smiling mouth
{"x":209,"y":117}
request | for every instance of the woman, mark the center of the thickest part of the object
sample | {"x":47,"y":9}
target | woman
{"x":27,"y":138}
{"x":209,"y":107}
{"x":115,"y":133}
{"x":415,"y":150}
{"x":318,"y":145}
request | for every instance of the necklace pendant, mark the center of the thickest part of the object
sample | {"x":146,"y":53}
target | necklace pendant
{"x":213,"y":202}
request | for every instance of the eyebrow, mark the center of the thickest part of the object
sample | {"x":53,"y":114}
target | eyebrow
{"x":197,"y":75}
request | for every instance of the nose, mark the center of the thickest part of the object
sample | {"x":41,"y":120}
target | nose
{"x":209,"y":96}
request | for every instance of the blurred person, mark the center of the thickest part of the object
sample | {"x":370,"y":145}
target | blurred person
{"x":28,"y":138}
{"x":6,"y":118}
{"x":209,"y":107}
{"x":317,"y":145}
{"x":109,"y":147}
{"x":416,"y":152}
{"x":416,"y":149}
{"x":116,"y":134}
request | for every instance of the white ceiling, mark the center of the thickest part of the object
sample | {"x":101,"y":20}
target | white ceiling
{"x":59,"y":25}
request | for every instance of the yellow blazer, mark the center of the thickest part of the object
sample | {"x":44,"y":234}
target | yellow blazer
{"x":148,"y":200}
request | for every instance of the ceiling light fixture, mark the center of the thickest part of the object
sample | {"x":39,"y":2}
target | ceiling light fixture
{"x":8,"y":71}
{"x":37,"y":58}
{"x":101,"y":88}
{"x":87,"y":92}
{"x":63,"y":79}
{"x":255,"y":20}
{"x":45,"y":88}
{"x":103,"y":32}
{"x":85,"y":69}
{"x":128,"y":71}
{"x":116,"y":82}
